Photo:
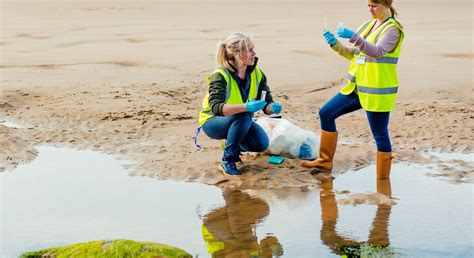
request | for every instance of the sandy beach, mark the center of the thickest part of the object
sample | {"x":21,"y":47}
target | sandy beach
{"x":127,"y":78}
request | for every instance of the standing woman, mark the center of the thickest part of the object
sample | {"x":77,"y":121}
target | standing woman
{"x":372,"y":83}
{"x":235,"y":92}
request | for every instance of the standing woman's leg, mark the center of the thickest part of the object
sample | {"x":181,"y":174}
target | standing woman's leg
{"x":378,"y":122}
{"x":337,"y":106}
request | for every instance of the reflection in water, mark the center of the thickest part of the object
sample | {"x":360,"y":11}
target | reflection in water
{"x":80,"y":196}
{"x":229,"y":231}
{"x":378,"y":237}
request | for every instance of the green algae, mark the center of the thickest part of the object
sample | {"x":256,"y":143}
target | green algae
{"x":112,"y":248}
{"x":369,"y":251}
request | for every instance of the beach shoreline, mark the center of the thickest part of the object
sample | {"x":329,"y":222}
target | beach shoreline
{"x":126,"y":79}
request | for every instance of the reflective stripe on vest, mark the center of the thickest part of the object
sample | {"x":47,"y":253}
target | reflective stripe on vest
{"x":384,"y":60}
{"x":369,"y":90}
{"x":351,"y":78}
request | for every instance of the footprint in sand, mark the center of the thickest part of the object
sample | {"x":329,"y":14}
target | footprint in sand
{"x":312,"y":53}
{"x":31,"y":36}
{"x":459,"y":55}
{"x":136,"y":40}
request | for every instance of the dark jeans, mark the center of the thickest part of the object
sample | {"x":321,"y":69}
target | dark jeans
{"x":240,"y":132}
{"x":342,"y":104}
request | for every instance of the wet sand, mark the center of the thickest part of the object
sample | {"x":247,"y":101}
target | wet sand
{"x":126,"y":78}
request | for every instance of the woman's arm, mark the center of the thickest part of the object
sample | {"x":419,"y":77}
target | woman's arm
{"x":268,"y":96}
{"x":344,"y":51}
{"x":217,"y":95}
{"x":232,"y":109}
{"x":387,"y":43}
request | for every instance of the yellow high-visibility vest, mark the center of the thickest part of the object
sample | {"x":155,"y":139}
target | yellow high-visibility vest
{"x":233,"y":95}
{"x":213,"y":245}
{"x":375,"y":78}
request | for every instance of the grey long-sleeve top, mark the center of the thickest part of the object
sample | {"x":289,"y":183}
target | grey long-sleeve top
{"x":387,"y":43}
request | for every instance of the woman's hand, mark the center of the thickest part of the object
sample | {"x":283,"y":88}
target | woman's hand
{"x":276,"y":108}
{"x":330,"y":38}
{"x":255,"y":105}
{"x":344,"y":32}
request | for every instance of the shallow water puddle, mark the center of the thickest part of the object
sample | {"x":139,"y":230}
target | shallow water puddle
{"x":432,"y":216}
{"x":457,"y":167}
{"x":67,"y":196}
{"x":11,"y":124}
{"x":466,"y":157}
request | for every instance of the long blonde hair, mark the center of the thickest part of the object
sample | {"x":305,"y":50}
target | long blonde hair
{"x":229,"y":51}
{"x":388,"y":4}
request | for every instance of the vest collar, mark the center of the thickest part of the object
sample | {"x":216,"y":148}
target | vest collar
{"x":370,"y":28}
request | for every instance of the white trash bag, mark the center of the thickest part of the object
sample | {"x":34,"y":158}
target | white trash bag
{"x":287,"y":139}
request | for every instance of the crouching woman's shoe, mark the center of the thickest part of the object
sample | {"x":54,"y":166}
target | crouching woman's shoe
{"x":229,"y":168}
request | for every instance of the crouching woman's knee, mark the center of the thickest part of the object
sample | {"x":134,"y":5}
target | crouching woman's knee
{"x":262,"y":143}
{"x":244,"y":116}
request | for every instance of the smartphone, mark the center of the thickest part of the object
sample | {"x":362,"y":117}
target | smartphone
{"x":276,"y":160}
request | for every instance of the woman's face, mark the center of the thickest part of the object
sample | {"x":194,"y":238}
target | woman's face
{"x":248,"y":55}
{"x":378,"y":11}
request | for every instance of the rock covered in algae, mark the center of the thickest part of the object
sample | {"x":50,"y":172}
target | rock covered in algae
{"x":111,"y":248}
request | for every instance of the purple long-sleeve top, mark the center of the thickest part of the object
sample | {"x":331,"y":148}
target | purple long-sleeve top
{"x":387,"y":43}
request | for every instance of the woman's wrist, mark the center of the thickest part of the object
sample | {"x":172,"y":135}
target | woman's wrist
{"x":232,"y":109}
{"x":268,"y":109}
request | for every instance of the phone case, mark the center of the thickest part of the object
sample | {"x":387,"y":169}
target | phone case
{"x":276,"y":160}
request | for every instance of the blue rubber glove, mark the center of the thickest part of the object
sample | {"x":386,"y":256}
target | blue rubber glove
{"x":330,"y":38}
{"x":255,"y":105}
{"x":344,"y":32}
{"x":276,"y":108}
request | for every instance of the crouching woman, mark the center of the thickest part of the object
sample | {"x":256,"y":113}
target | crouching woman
{"x":234,"y":94}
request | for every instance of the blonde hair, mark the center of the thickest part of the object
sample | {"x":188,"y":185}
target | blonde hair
{"x":229,"y":51}
{"x":388,"y":4}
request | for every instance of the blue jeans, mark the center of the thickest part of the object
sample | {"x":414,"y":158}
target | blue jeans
{"x":240,"y":132}
{"x":342,"y":104}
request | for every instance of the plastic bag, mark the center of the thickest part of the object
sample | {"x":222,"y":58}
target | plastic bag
{"x":287,"y":139}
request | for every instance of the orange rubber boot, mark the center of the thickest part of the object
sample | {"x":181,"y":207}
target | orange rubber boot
{"x":327,"y":149}
{"x":384,"y":164}
{"x":384,"y":187}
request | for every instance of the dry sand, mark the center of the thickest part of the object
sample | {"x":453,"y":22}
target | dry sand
{"x":126,"y":78}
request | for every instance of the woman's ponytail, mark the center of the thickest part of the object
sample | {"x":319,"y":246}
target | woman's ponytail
{"x":222,"y":59}
{"x":394,"y":14}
